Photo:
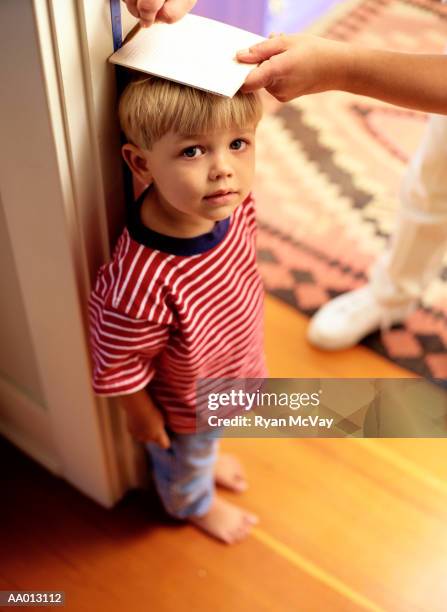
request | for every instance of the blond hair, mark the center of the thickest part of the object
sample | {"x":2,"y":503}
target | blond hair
{"x":151,"y":107}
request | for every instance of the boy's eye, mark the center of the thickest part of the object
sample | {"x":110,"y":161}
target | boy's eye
{"x":238,"y":144}
{"x":192,"y":152}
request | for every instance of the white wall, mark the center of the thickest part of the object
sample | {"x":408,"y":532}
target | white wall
{"x":53,"y":209}
{"x":18,"y":365}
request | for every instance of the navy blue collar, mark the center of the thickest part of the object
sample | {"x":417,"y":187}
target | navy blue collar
{"x":170,"y":244}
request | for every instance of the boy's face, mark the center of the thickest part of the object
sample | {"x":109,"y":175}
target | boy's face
{"x":201,"y":177}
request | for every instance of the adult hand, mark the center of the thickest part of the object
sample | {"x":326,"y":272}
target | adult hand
{"x":295,"y":65}
{"x":301,"y":64}
{"x":149,"y":11}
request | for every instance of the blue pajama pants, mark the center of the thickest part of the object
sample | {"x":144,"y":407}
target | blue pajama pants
{"x":184,"y":473}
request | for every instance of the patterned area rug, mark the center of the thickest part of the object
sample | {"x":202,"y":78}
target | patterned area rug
{"x":329,"y":169}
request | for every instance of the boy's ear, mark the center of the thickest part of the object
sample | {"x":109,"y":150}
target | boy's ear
{"x":137,"y":162}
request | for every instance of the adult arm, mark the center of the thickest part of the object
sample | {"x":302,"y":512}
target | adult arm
{"x":149,"y":11}
{"x":302,"y":64}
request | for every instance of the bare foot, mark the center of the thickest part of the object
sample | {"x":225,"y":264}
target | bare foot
{"x":225,"y":521}
{"x":228,"y":473}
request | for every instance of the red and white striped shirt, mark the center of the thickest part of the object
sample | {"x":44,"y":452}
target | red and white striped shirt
{"x":166,"y":312}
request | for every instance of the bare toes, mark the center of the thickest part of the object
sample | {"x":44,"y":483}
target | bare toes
{"x":230,"y":474}
{"x":251,"y":519}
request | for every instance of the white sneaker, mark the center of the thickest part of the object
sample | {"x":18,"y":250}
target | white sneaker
{"x":345,"y":320}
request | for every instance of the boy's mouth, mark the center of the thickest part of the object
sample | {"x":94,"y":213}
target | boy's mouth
{"x":222,"y":196}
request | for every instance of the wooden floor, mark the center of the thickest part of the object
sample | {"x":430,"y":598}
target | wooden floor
{"x":345,"y":524}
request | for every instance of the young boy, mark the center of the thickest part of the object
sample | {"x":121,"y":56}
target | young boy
{"x":182,"y":298}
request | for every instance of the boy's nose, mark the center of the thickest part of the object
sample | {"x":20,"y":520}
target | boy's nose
{"x":221,"y":168}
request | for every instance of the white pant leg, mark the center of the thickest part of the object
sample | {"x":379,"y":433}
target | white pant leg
{"x":420,"y":240}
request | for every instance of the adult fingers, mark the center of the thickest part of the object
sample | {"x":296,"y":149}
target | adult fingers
{"x":132,"y":7}
{"x":147,"y":11}
{"x":173,"y":10}
{"x":263,"y":51}
{"x":262,"y":76}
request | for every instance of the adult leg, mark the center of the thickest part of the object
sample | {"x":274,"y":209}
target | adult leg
{"x":413,"y":259}
{"x":420,"y":240}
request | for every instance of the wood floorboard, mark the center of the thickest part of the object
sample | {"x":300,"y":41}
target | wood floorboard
{"x":55,"y":539}
{"x":290,"y":355}
{"x":345,"y":525}
{"x":357,"y":519}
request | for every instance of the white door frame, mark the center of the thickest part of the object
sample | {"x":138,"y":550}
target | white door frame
{"x":55,"y":200}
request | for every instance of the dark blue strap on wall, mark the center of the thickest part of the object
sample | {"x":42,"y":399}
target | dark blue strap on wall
{"x":121,"y":81}
{"x":117,"y":31}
